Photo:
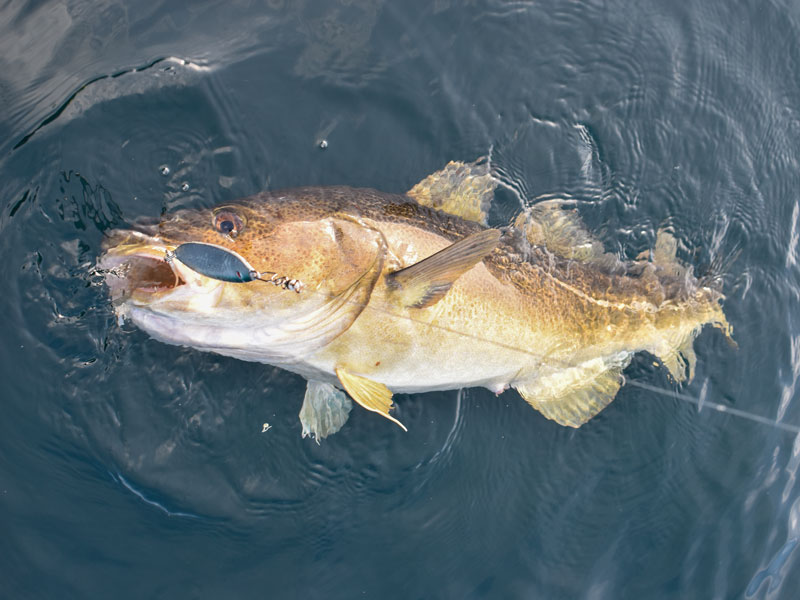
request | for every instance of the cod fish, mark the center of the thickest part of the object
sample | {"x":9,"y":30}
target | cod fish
{"x":406,"y":293}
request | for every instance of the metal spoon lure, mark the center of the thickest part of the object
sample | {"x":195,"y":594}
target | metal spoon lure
{"x":226,"y":265}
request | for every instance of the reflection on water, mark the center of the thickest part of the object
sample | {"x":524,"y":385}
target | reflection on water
{"x":337,"y":43}
{"x":133,"y":466}
{"x":773,"y":570}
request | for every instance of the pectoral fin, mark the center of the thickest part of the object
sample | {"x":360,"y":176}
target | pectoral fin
{"x":573,"y":396}
{"x":325,"y":410}
{"x":372,"y":395}
{"x":464,"y":190}
{"x":426,"y":282}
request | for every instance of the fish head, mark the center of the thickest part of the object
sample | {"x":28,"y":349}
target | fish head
{"x":257,"y":320}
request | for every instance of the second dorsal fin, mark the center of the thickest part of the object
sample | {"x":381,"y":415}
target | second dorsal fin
{"x":461,"y":189}
{"x":562,"y":232}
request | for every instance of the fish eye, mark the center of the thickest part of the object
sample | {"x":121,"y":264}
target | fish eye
{"x":228,"y":223}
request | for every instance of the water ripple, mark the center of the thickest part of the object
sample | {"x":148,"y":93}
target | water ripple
{"x":644,"y":114}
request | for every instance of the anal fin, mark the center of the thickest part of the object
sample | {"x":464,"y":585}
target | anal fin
{"x":371,"y":395}
{"x":574,"y":395}
{"x":426,"y":282}
{"x":325,"y":410}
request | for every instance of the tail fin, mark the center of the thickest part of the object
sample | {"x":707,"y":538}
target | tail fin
{"x":713,"y":280}
{"x":678,"y":354}
{"x":716,"y":272}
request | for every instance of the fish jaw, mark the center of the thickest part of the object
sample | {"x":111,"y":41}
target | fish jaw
{"x":249,"y":320}
{"x":137,"y":272}
{"x":172,"y":303}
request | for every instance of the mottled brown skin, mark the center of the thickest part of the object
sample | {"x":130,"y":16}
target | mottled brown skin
{"x":521,"y":312}
{"x":565,"y":290}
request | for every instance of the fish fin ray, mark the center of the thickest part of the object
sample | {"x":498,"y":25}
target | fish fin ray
{"x":372,"y":395}
{"x":562,"y":232}
{"x":325,"y":410}
{"x":573,"y":396}
{"x":665,"y":250}
{"x":680,"y":359}
{"x":462,"y":189}
{"x":426,"y":282}
{"x":665,"y":254}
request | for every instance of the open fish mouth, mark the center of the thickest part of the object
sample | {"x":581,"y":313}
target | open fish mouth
{"x":139,"y":272}
{"x":135,"y":267}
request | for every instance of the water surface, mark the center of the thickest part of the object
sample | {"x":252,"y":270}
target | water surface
{"x":135,"y":469}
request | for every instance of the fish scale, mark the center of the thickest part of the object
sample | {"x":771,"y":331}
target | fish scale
{"x":414,"y":292}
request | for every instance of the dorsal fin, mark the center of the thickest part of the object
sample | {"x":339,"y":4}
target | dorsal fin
{"x":665,"y":253}
{"x":461,"y":189}
{"x":562,"y":232}
{"x":666,"y":248}
{"x":426,"y":282}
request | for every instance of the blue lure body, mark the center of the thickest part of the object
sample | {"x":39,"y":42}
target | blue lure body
{"x":226,"y":265}
{"x":215,"y":262}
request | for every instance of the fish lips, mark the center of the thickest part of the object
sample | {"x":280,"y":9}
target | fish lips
{"x":136,"y":269}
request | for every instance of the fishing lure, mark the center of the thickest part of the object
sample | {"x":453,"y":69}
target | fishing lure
{"x":226,"y":265}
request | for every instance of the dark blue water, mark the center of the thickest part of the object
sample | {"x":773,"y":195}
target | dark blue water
{"x":131,"y":469}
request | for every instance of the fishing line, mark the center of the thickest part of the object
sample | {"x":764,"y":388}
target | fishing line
{"x":716,"y":406}
{"x":722,"y":408}
{"x":700,"y":403}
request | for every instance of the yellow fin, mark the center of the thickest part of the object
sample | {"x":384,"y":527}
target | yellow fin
{"x":665,"y":253}
{"x":426,"y":282}
{"x":679,"y":357}
{"x":372,"y":395}
{"x":461,"y":189}
{"x":573,"y":396}
{"x":562,"y":232}
{"x":666,"y":248}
